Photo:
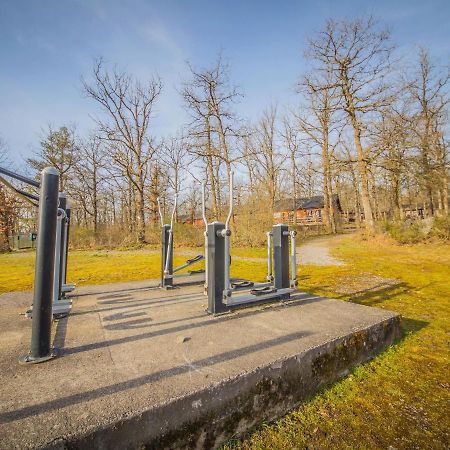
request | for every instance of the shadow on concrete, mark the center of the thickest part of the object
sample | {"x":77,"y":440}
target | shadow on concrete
{"x":60,"y":333}
{"x":145,"y":303}
{"x":145,"y":288}
{"x":210,"y":320}
{"x":144,"y":323}
{"x":163,"y":299}
{"x":145,"y":379}
{"x":148,"y":322}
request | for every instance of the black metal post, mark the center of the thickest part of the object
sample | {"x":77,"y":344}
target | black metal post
{"x":62,"y":253}
{"x":281,"y":256}
{"x":45,"y":259}
{"x":216,"y":268}
{"x":166,"y":281}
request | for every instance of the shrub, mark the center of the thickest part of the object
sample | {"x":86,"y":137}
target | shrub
{"x":407,"y":232}
{"x":441,"y":228}
{"x":412,"y":232}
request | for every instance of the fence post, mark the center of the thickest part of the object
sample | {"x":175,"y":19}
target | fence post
{"x":44,"y":271}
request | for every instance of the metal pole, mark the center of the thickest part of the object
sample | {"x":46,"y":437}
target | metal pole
{"x":226,"y":233}
{"x":170,"y":246}
{"x":216,"y":270}
{"x":269,"y":257}
{"x":205,"y":220}
{"x":62,"y":249}
{"x":58,"y":251}
{"x":45,"y":259}
{"x":293,"y":283}
{"x":166,"y":279}
{"x":161,"y":219}
{"x":66,"y":243}
{"x":281,"y":256}
{"x":19,"y":177}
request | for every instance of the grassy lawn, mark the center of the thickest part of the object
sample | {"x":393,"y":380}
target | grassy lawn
{"x":400,"y":400}
{"x":99,"y":267}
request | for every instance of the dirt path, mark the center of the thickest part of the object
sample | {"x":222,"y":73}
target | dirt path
{"x":317,"y":251}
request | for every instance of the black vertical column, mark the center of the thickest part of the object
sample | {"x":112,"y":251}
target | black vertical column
{"x":44,"y":271}
{"x":281,"y":256}
{"x":166,"y":281}
{"x":216,"y":268}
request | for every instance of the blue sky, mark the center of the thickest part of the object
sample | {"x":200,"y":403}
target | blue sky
{"x":47,"y":45}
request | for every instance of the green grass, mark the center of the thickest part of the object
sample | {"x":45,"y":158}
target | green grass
{"x":105,"y":266}
{"x":399,"y":400}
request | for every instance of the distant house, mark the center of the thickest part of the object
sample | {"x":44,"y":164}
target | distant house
{"x":306,"y":210}
{"x":196,"y":220}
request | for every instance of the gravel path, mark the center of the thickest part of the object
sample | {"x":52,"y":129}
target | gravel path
{"x":317,"y":252}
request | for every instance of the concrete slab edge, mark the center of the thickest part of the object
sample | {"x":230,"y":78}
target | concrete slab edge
{"x":207,"y":418}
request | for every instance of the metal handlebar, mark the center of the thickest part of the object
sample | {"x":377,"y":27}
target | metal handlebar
{"x":293,"y":282}
{"x":19,"y":177}
{"x":169,"y":249}
{"x":269,"y":256}
{"x":230,"y":212}
{"x":205,"y":220}
{"x":174,"y":210}
{"x":226,"y":236}
{"x":161,"y":218}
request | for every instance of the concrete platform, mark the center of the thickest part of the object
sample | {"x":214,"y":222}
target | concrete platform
{"x":142,"y":367}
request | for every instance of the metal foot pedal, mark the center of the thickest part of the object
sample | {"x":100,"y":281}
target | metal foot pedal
{"x":263,"y":291}
{"x":242,"y":284}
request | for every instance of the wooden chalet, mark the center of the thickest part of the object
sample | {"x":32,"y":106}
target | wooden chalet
{"x":305,"y":211}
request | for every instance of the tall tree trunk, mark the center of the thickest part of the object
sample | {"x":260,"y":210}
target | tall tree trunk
{"x":363,"y":173}
{"x":329,"y":216}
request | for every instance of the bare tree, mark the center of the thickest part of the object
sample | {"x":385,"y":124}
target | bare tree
{"x":58,"y":149}
{"x":85,"y":185}
{"x":316,"y":122}
{"x":267,"y":156}
{"x":290,"y":134}
{"x":429,"y":97}
{"x":358,"y":55}
{"x":128,"y":105}
{"x":208,"y":97}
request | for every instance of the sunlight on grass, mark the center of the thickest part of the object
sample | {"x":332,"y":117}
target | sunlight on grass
{"x":103,"y":266}
{"x":400,"y":399}
{"x":88,"y":267}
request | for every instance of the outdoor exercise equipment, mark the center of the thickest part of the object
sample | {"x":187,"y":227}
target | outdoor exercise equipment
{"x":224,"y":292}
{"x":169,"y":278}
{"x":51,"y":258}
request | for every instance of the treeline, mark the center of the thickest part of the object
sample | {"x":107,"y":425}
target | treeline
{"x":370,"y":125}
